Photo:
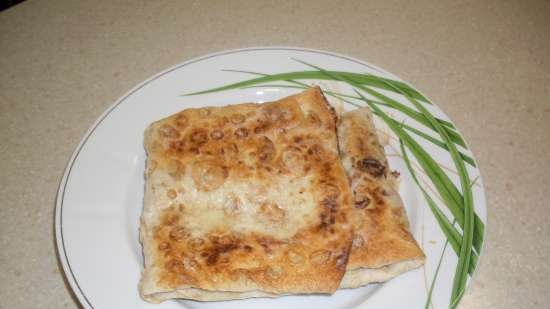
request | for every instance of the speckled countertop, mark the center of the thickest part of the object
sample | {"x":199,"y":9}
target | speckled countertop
{"x":487,"y":63}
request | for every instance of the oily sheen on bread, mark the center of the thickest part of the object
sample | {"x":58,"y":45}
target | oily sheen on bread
{"x":245,"y":200}
{"x":382,"y":246}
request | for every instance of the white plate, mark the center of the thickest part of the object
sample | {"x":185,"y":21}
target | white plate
{"x":100,"y":196}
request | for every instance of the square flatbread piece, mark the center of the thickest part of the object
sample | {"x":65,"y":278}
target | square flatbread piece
{"x":245,"y":200}
{"x":383,"y":246}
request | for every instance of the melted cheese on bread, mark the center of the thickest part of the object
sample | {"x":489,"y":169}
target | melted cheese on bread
{"x":247,"y":199}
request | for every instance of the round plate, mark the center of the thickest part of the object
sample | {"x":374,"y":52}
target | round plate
{"x":100,"y":196}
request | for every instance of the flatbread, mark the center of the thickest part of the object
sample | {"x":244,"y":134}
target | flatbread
{"x":383,"y":246}
{"x":244,"y":201}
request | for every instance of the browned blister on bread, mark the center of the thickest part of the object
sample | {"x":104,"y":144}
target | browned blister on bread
{"x":245,"y":200}
{"x":383,"y":246}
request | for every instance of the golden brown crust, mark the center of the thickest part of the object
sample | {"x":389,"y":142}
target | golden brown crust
{"x":247,"y":197}
{"x":380,"y":223}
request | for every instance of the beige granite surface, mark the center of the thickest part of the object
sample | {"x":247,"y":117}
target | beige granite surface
{"x":487,"y":63}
